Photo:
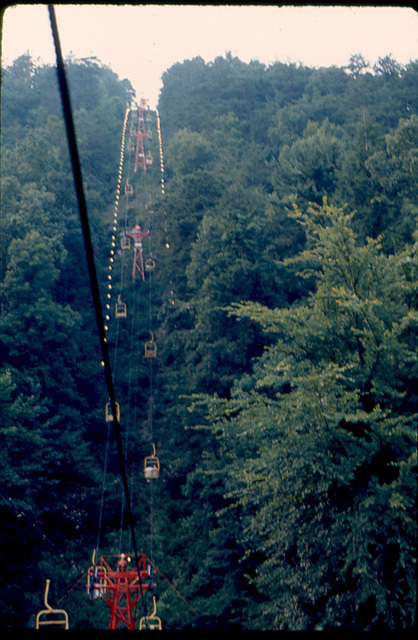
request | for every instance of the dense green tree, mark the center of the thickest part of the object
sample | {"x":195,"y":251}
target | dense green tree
{"x":49,"y":474}
{"x":395,"y":170}
{"x":309,"y":166}
{"x":320,"y":442}
{"x":276,"y":514}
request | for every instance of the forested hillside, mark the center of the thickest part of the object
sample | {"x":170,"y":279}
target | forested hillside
{"x":281,"y":209}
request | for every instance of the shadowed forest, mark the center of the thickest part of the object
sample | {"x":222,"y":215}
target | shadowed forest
{"x":280,"y":210}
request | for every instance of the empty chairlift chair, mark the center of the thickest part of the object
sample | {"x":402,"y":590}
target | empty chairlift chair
{"x":50,"y":616}
{"x":150,"y":348}
{"x":120,"y":309}
{"x":125,"y":242}
{"x":109,"y":413}
{"x":152,"y":622}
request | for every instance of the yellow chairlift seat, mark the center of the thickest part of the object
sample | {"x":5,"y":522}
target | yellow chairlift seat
{"x":152,"y":466}
{"x":109,"y":414}
{"x":125,"y":242}
{"x":120,"y":309}
{"x":62,"y":618}
{"x":96,"y":586}
{"x":150,"y":348}
{"x":149,"y":264}
{"x":152,"y":622}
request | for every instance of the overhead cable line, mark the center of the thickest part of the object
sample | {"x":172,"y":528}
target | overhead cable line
{"x":101,"y":326}
{"x":78,"y":182}
{"x":107,"y":316}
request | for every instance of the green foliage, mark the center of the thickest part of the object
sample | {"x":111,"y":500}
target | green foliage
{"x":283,"y":397}
{"x":323,"y":445}
{"x":309,"y":167}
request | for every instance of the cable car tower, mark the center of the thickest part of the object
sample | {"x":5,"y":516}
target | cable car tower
{"x":138,"y":264}
{"x":121,"y":588}
{"x":141,"y":134}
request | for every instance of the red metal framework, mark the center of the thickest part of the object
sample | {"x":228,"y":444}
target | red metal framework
{"x":138,"y":265}
{"x":121,"y":588}
{"x":140,"y":136}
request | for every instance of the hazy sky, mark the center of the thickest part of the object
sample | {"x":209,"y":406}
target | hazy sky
{"x":140,"y":42}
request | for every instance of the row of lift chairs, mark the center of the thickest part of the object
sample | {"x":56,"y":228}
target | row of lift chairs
{"x":152,"y":462}
{"x":59,"y":617}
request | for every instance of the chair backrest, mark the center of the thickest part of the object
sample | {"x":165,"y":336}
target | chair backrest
{"x":152,"y":622}
{"x":150,"y":349}
{"x":62,"y":618}
{"x":149,"y":264}
{"x":109,"y":413}
{"x":120,"y":309}
{"x":152,"y":468}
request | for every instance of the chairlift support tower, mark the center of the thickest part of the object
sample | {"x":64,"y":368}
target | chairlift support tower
{"x":140,"y":135}
{"x":121,"y":588}
{"x":138,"y":264}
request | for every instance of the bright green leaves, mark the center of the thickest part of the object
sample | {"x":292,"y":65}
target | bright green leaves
{"x":321,"y":439}
{"x":32,"y":267}
{"x":395,"y":170}
{"x":309,"y":166}
{"x":189,"y":152}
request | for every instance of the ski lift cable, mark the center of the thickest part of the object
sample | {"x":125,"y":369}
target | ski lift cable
{"x":134,"y":315}
{"x":108,"y":307}
{"x":151,"y":388}
{"x":76,"y":169}
{"x":173,"y":588}
{"x":114,"y":229}
{"x":128,"y":404}
{"x":134,"y":312}
{"x":78,"y":183}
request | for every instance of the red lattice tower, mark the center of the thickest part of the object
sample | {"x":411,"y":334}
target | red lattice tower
{"x":121,"y":588}
{"x":138,"y":264}
{"x":140,"y":136}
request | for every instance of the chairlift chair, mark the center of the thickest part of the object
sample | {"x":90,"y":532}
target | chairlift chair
{"x":152,"y":622}
{"x":125,"y":242}
{"x":150,"y":348}
{"x":120,"y":309}
{"x":109,"y":413}
{"x":128,"y":189}
{"x":152,"y":466}
{"x":96,"y":586}
{"x":41,"y":620}
{"x":149,"y":264}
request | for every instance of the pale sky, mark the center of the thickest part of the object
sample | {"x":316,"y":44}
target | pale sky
{"x":140,"y":42}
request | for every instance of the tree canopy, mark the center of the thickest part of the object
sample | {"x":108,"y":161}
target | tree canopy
{"x":281,"y":210}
